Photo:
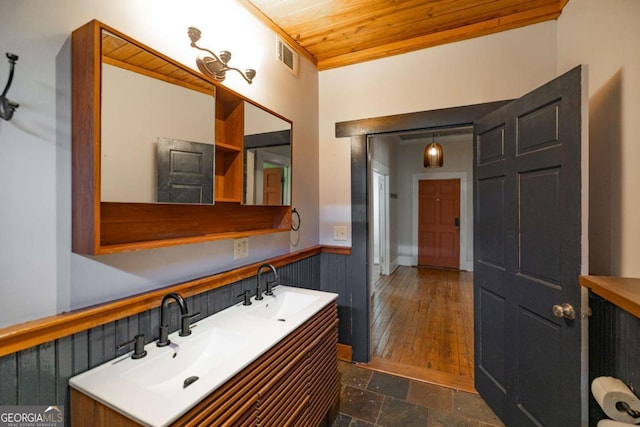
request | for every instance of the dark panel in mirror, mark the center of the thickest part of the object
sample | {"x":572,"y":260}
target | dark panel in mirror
{"x":185,"y":171}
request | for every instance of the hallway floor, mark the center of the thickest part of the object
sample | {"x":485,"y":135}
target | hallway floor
{"x":369,"y":398}
{"x":422,"y":326}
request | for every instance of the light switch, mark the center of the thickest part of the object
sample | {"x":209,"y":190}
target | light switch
{"x":339,"y":232}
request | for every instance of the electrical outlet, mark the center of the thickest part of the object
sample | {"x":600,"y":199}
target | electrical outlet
{"x":339,"y":232}
{"x":240,"y":248}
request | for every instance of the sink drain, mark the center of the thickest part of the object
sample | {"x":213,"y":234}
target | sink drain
{"x":281,"y":320}
{"x":190,"y":381}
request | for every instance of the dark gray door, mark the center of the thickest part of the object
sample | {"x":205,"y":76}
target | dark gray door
{"x":528,"y":256}
{"x":185,"y":171}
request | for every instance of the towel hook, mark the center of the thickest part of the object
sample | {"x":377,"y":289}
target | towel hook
{"x":295,"y":227}
{"x":8,"y":107}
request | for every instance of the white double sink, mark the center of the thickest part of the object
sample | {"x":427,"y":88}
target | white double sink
{"x":159,"y":388}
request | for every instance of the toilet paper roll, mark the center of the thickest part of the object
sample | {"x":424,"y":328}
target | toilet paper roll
{"x":608,"y":391}
{"x":611,"y":423}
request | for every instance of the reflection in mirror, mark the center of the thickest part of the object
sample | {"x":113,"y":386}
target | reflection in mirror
{"x":267,"y":158}
{"x":137,"y":111}
{"x":185,"y":171}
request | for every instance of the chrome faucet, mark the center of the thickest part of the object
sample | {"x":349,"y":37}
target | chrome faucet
{"x":268,"y":290}
{"x":164,"y":318}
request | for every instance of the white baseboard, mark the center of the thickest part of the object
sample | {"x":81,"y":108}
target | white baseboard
{"x":393,"y":265}
{"x":405,"y":260}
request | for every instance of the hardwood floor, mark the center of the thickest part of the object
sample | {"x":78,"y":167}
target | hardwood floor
{"x":422,"y":326}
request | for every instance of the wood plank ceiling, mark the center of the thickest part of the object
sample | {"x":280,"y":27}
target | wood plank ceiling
{"x":335,"y":33}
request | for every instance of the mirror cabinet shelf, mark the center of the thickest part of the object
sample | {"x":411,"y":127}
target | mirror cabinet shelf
{"x":229,"y":131}
{"x":140,"y":118}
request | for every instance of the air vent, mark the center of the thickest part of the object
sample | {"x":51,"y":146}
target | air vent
{"x":287,"y":56}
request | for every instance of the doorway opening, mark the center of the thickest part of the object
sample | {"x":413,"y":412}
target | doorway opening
{"x":421,"y":319}
{"x":358,"y":131}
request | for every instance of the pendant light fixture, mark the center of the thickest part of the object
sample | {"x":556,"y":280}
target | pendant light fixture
{"x":433,"y":154}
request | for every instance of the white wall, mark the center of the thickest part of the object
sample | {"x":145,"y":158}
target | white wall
{"x":606,"y":36}
{"x":491,"y":68}
{"x":39,"y":275}
{"x":382,"y":149}
{"x":375,"y":216}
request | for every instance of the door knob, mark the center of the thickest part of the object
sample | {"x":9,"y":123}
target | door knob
{"x":565,"y":310}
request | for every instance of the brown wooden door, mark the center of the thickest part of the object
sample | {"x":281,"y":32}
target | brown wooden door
{"x":272,"y":186}
{"x":438,"y":224}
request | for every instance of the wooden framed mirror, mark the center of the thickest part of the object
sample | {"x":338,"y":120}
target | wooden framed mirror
{"x":103,"y":224}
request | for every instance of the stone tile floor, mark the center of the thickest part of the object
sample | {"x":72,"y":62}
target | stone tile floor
{"x":370,"y":398}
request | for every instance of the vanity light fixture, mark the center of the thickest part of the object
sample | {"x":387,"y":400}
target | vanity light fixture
{"x":433,"y":154}
{"x":215,"y":66}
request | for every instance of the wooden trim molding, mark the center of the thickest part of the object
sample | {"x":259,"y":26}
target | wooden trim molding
{"x":32,"y":333}
{"x":443,"y":117}
{"x":345,"y":352}
{"x":428,"y":375}
{"x":623,"y":292}
{"x":339,"y":250}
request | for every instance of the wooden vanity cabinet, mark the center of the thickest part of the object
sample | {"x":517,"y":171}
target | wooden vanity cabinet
{"x":104,"y":227}
{"x":294,"y":383}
